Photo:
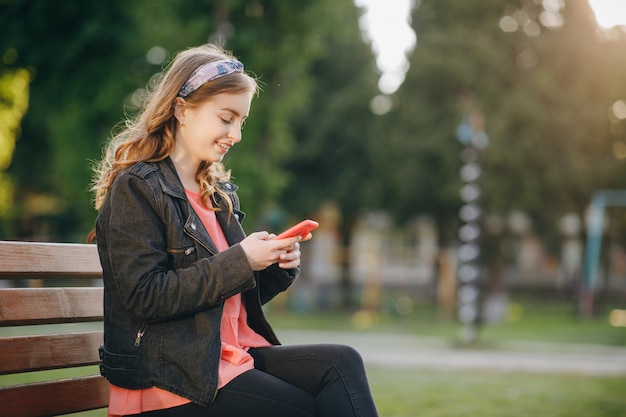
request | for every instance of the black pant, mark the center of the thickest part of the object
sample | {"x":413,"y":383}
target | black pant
{"x":292,"y":381}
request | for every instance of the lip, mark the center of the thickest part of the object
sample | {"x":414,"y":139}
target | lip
{"x":224,"y":146}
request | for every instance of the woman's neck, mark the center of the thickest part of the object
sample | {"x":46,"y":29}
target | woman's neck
{"x":186,"y":172}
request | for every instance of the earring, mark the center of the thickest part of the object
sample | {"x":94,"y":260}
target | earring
{"x":182,"y":123}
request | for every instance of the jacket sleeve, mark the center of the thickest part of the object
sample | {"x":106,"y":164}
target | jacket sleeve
{"x":134,"y":233}
{"x":274,"y":280}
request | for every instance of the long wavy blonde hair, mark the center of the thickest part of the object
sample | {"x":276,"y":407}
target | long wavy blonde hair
{"x":150,"y":135}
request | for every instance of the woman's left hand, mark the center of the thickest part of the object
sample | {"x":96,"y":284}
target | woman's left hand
{"x":291,"y":258}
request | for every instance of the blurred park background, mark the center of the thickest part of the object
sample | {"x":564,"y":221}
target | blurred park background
{"x":475,"y":181}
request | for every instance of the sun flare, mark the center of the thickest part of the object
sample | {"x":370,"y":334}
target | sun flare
{"x":609,"y":13}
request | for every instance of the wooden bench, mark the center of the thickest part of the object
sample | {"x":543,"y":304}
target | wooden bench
{"x":62,"y":306}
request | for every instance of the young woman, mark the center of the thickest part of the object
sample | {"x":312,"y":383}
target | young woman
{"x":184,"y":331}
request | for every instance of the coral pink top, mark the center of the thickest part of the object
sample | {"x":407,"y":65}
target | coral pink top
{"x":237,"y":337}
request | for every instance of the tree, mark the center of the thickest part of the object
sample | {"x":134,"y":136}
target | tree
{"x":74,"y":53}
{"x":333,"y":134}
{"x":90,"y":63}
{"x":544,"y":82}
{"x":544,"y":91}
{"x":13,"y":105}
{"x":554,"y":138}
{"x":417,"y":161}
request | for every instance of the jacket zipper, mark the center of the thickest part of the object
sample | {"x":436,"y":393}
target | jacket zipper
{"x":199,"y":241}
{"x":140,"y":333}
{"x":187,"y":251}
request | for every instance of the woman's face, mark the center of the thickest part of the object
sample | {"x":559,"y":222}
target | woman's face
{"x":208,"y":131}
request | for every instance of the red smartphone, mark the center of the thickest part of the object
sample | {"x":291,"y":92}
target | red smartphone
{"x":301,"y":229}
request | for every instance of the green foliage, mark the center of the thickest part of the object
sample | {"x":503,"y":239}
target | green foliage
{"x":312,"y":137}
{"x":90,"y":64}
{"x":279,"y":41}
{"x":330,"y":161}
{"x":75,"y":52}
{"x":550,"y":139}
{"x":13,"y":105}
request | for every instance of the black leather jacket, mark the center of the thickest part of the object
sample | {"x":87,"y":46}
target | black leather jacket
{"x":165,"y":284}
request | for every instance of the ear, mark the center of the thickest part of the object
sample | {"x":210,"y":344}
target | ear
{"x":180,"y":108}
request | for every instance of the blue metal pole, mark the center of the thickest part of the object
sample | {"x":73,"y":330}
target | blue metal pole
{"x":594,"y":240}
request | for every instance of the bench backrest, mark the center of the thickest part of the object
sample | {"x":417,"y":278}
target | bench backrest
{"x":58,"y":264}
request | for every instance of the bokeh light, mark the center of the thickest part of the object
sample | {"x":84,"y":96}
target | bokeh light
{"x":617,"y":318}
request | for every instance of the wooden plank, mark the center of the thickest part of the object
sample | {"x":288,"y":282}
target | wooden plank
{"x":25,"y":306}
{"x":20,"y":306}
{"x":43,"y":352}
{"x":35,"y":260}
{"x":54,"y":398}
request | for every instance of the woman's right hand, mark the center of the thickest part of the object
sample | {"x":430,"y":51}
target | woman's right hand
{"x":262,"y":250}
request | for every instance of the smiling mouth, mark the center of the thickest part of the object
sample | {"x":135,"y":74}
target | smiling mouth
{"x":224,"y":147}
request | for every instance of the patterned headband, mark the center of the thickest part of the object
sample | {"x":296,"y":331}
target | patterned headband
{"x":209,"y":72}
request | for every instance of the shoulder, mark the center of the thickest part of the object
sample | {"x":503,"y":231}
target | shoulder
{"x":147,"y":173}
{"x":142,"y":169}
{"x":139,"y":170}
{"x":138,"y":179}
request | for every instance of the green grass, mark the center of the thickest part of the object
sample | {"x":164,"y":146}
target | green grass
{"x":407,"y":393}
{"x":430,"y":393}
{"x":529,"y":320}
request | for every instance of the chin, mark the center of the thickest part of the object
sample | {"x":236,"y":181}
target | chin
{"x":215,"y":159}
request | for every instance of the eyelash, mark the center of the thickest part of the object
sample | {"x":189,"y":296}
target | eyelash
{"x":227,"y":122}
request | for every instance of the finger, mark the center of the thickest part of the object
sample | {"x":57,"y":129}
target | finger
{"x":291,"y":253}
{"x":263,"y":235}
{"x":289,"y":265}
{"x":287,"y":243}
{"x":294,"y":248}
{"x":286,"y":257}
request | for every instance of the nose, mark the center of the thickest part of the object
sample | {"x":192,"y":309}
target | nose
{"x":234,"y":133}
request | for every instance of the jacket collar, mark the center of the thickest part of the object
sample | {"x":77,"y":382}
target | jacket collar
{"x":171,"y":184}
{"x":229,"y":221}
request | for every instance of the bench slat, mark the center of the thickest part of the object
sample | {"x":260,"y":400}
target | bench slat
{"x":39,"y":353}
{"x":34,"y":260}
{"x":54,"y":398}
{"x":30,"y":306}
{"x":25,"y":306}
